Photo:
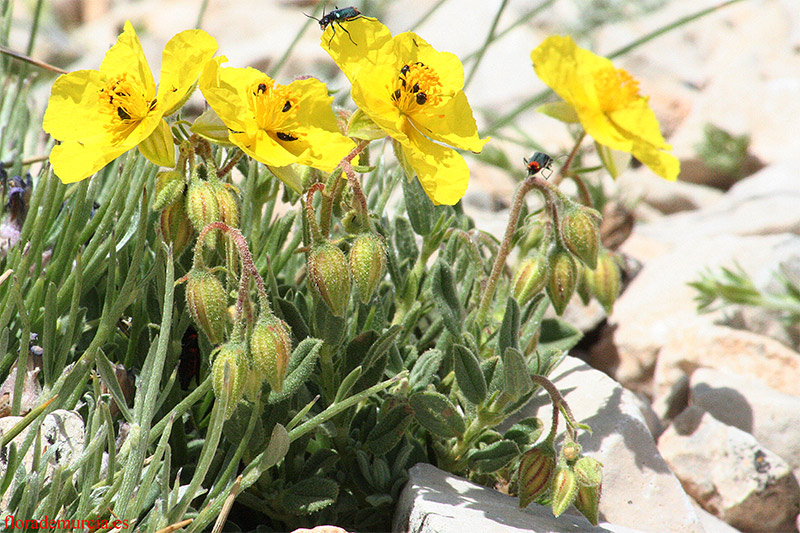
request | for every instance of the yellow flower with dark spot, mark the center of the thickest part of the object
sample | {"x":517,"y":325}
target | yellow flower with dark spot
{"x":414,"y":94}
{"x":606,"y":101}
{"x":276,"y":124}
{"x":100,"y":114}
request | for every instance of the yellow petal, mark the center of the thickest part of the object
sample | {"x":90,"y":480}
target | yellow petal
{"x":451,"y":123}
{"x":73,"y":161}
{"x":290,"y":175}
{"x":568,"y":70}
{"x":262,"y":147}
{"x":361,"y":48}
{"x":662,"y":163}
{"x":224,"y":90}
{"x":158,"y":146}
{"x":410,"y":48}
{"x":73,"y":111}
{"x":369,"y":96}
{"x":183,"y":59}
{"x":443,"y":173}
{"x":127,"y":57}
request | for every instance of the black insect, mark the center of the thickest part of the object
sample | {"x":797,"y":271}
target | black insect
{"x":538,"y":162}
{"x":336,"y":17}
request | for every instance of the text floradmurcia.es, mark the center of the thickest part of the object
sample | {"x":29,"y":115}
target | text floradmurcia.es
{"x":12,"y":523}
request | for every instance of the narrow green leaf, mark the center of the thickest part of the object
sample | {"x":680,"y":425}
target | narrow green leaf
{"x":301,"y":363}
{"x":347,"y":384}
{"x":525,"y":432}
{"x":437,"y":414}
{"x":425,"y":369}
{"x":389,"y":430}
{"x":516,"y":376}
{"x":508,"y":336}
{"x":419,"y":207}
{"x":493,"y":457}
{"x":445,"y":296}
{"x":468,"y":373}
{"x":310,"y":495}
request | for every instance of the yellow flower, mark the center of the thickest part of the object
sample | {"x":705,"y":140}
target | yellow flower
{"x":606,"y":101}
{"x":414,"y":94}
{"x":100,"y":114}
{"x":276,"y":124}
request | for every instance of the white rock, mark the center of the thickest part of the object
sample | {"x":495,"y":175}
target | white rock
{"x":746,"y":403}
{"x":666,"y":196}
{"x":658,"y":304}
{"x":437,"y":502}
{"x":723,"y":348}
{"x":639,"y":491}
{"x":731,"y":474}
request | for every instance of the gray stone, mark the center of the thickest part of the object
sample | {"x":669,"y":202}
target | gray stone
{"x":710,"y":523}
{"x":730,"y":474}
{"x":437,"y":502}
{"x":723,"y":348}
{"x":639,"y":490}
{"x":746,"y":403}
{"x":659,"y":304}
{"x":666,"y":196}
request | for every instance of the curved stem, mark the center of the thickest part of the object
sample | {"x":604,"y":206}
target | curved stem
{"x":565,"y":167}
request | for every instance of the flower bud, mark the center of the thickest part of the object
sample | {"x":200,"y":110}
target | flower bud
{"x":329,"y":275}
{"x":367,"y":264}
{"x":530,"y":279}
{"x":588,"y":502}
{"x":564,"y":490}
{"x":571,"y":451}
{"x":583,"y":289}
{"x":202,"y":206}
{"x":270,"y":348}
{"x":176,"y":227}
{"x":604,"y":281}
{"x":206,"y":299}
{"x":228,"y":207}
{"x":563,"y":278}
{"x":169,"y":188}
{"x":581,"y":234}
{"x":589,"y":471}
{"x":229,"y":357}
{"x":535,"y":472}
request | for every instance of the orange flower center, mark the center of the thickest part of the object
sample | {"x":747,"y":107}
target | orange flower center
{"x":274,"y":108}
{"x":416,"y":86}
{"x":125,"y":102}
{"x":616,"y":89}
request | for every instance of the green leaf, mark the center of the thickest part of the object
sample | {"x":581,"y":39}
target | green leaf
{"x":294,"y":319}
{"x":327,"y":326}
{"x":277,"y":448}
{"x":515,"y":374}
{"x":389,"y":430}
{"x":492,"y":457}
{"x":508,"y":336}
{"x":301,"y":364}
{"x":558,"y":334}
{"x":404,"y":240}
{"x":347,"y":384}
{"x":468,"y":373}
{"x":425,"y":368}
{"x":419,"y":207}
{"x":443,"y":289}
{"x":525,"y":432}
{"x":310,"y":495}
{"x":545,"y":361}
{"x":437,"y":414}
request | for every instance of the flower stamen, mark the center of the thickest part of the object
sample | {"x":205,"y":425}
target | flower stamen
{"x":274,"y":108}
{"x":125,"y":101}
{"x":616,"y":89}
{"x":416,"y":85}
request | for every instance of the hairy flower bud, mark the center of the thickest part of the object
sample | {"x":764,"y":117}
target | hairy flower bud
{"x":564,"y":491}
{"x":587,"y":502}
{"x":571,"y":451}
{"x":169,"y":188}
{"x":367,"y":264}
{"x":230,"y":360}
{"x":228,"y":207}
{"x":329,"y":275}
{"x":270,"y":348}
{"x":206,"y":300}
{"x":535,"y":472}
{"x":563,"y":278}
{"x":529,"y":279}
{"x":176,"y":228}
{"x":589,"y":471}
{"x":604,"y":281}
{"x":579,"y":227}
{"x":202,"y":206}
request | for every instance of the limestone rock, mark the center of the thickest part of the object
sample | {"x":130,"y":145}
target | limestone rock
{"x":435,"y":501}
{"x":639,"y":491}
{"x":730,"y":474}
{"x":745,"y":403}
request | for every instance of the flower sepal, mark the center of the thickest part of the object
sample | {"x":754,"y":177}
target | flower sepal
{"x":614,"y":161}
{"x":211,"y":128}
{"x":158,"y":147}
{"x":360,"y":126}
{"x":560,"y":111}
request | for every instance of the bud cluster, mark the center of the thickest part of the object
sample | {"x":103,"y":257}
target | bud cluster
{"x":572,"y":478}
{"x":210,"y":200}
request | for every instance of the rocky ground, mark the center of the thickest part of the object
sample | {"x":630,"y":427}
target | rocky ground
{"x":696,"y":417}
